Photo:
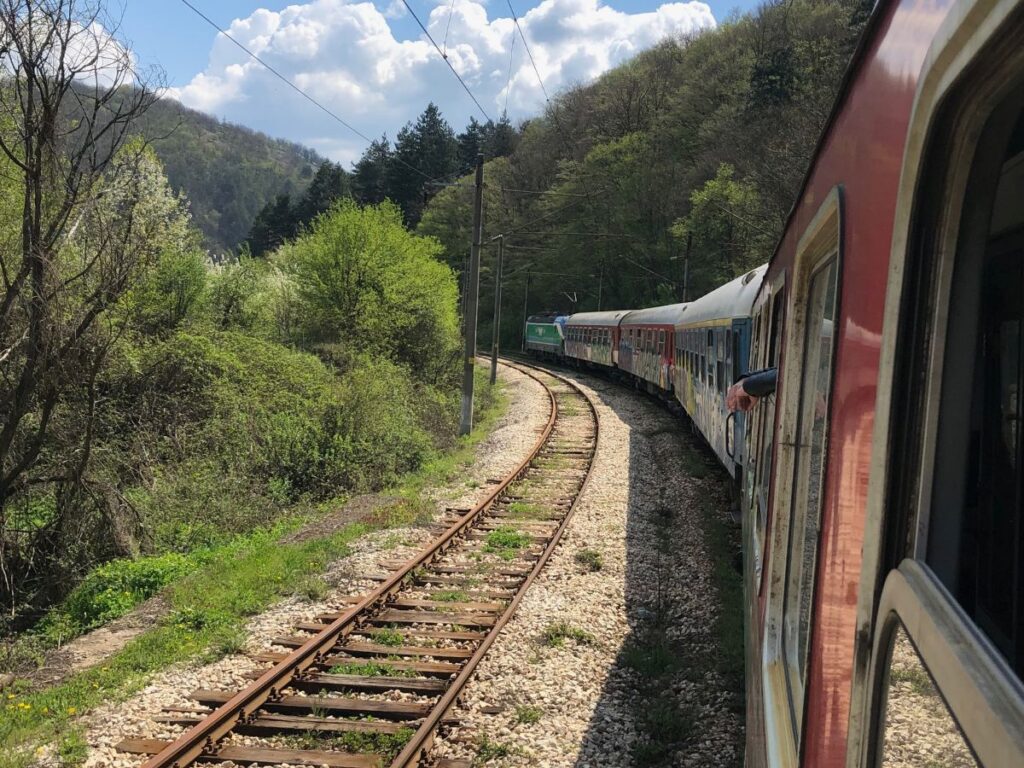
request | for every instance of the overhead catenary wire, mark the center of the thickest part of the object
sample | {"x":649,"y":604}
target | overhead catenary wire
{"x":446,"y":61}
{"x":508,"y":82}
{"x":296,"y":88}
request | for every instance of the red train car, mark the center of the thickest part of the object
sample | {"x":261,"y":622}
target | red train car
{"x":883,"y":514}
{"x":647,"y":346}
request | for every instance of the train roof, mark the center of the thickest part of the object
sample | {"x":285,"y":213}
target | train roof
{"x":670,"y":314}
{"x":734,"y":299}
{"x":610,"y":318}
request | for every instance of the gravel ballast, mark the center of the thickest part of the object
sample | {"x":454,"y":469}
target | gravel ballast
{"x":582,"y":702}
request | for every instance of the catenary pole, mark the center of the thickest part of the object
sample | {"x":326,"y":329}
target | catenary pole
{"x":496,"y":332}
{"x":526,"y":304}
{"x":472,"y":299}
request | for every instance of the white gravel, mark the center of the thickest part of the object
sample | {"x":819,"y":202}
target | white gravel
{"x":591,"y":703}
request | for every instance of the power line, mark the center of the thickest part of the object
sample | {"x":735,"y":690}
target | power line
{"x":527,"y":46}
{"x":296,"y":88}
{"x":448,"y":26}
{"x":446,"y":61}
{"x":508,"y":83}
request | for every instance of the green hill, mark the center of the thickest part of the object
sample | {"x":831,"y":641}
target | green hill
{"x":228,"y":172}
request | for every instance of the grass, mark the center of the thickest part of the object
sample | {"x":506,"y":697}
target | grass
{"x":667,"y":725}
{"x":653,"y":657}
{"x":918,"y":679}
{"x":505,"y":542}
{"x":528,"y":715}
{"x":590,"y":559}
{"x":388,"y":636}
{"x":370,"y":669}
{"x":451,"y":596}
{"x":211,"y":597}
{"x":386,"y":744}
{"x":488,"y":750}
{"x":209,"y":608}
{"x":555,"y":635}
{"x":525,"y":511}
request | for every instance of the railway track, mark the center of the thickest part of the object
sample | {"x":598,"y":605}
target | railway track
{"x":371,"y":686}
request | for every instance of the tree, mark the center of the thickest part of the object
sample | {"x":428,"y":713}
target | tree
{"x":499,"y":138}
{"x":274,"y":224}
{"x":330,"y":183}
{"x":471,"y":143}
{"x":370,"y":174}
{"x":365,"y":284}
{"x":94,"y":210}
{"x":424,"y":150}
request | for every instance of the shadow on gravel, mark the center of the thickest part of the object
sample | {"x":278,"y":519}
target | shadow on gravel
{"x":674,"y":696}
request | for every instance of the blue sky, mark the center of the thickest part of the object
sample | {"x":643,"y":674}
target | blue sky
{"x":370,"y":63}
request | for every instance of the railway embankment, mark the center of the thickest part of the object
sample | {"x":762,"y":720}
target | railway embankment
{"x":231,"y":599}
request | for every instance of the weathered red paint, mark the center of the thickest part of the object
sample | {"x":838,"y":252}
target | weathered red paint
{"x":862,"y":152}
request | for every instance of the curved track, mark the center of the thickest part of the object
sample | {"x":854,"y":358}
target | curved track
{"x":385,"y":674}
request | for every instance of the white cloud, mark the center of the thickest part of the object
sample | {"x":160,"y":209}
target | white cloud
{"x":345,"y":55}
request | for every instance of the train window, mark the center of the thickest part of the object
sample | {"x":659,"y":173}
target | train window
{"x":809,"y":479}
{"x":975,"y":539}
{"x":661,"y":342}
{"x":918,"y":728}
{"x":720,"y":365}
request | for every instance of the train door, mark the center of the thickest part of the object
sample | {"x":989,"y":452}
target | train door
{"x":739,"y":351}
{"x":941,"y":614}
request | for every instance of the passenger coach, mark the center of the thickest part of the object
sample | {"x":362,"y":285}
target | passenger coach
{"x":593,"y":337}
{"x":646,"y":347}
{"x":712,"y":345}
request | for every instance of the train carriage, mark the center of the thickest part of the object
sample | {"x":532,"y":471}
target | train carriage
{"x":646,"y":344}
{"x":711,"y":350}
{"x":884,"y":526}
{"x":593,"y":337}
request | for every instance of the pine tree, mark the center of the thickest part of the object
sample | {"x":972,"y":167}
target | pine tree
{"x":273,"y":225}
{"x":329,"y":184}
{"x":471,"y":143}
{"x":370,"y":174}
{"x":429,"y":145}
{"x":500,"y":139}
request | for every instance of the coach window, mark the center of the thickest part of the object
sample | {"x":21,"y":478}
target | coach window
{"x":953,"y":517}
{"x":661,"y":342}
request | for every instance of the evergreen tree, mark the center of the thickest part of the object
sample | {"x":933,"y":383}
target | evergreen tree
{"x":471,"y":143}
{"x":273,"y":225}
{"x":499,"y":138}
{"x":428,"y":145}
{"x":330,"y":183}
{"x":370,"y":174}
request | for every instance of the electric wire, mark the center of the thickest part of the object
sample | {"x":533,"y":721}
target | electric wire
{"x":508,"y":82}
{"x":446,"y":61}
{"x":296,"y":88}
{"x":448,"y":26}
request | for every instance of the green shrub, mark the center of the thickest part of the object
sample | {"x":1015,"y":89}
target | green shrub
{"x":111,"y":591}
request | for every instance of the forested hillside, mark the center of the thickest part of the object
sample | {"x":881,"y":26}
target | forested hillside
{"x":228,"y":172}
{"x":695,"y":149}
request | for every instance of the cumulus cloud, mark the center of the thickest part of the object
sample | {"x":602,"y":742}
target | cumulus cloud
{"x":346,"y":56}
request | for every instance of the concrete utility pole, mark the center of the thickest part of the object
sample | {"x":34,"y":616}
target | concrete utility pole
{"x":686,"y":263}
{"x":496,"y":333}
{"x":472,"y":299}
{"x":526,"y":304}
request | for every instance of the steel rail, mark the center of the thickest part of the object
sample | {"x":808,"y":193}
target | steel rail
{"x":419,"y":744}
{"x":203,"y":737}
